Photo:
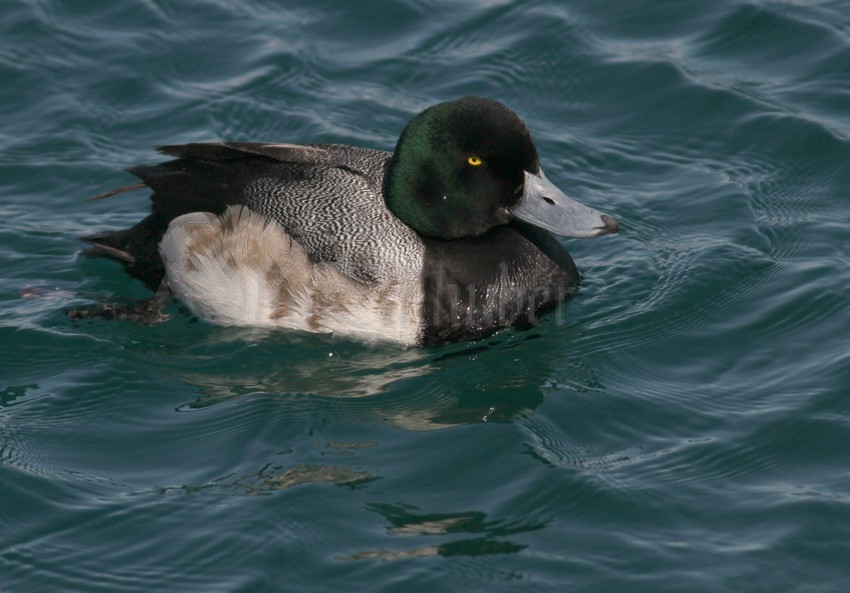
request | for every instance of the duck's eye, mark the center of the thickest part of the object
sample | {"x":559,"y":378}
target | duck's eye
{"x":475,"y":161}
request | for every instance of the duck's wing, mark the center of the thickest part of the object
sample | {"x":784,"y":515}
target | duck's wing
{"x":327,"y":197}
{"x":209,"y":177}
{"x":222,"y":151}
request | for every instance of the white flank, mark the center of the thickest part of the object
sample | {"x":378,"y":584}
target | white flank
{"x":242,"y":269}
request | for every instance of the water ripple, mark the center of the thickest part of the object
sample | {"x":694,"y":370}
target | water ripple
{"x":687,"y":409}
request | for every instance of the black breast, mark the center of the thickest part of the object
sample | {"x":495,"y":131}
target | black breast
{"x":509,"y":276}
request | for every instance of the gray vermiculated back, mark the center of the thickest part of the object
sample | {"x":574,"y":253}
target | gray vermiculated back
{"x":338,"y":214}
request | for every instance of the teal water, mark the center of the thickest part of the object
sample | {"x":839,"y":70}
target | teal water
{"x":682,"y":425}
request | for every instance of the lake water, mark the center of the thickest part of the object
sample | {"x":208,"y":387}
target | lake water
{"x":682,"y":425}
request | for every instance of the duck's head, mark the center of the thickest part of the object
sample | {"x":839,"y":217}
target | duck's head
{"x":466,"y":166}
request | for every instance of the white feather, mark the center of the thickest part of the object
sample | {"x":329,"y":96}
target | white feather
{"x":243,"y":269}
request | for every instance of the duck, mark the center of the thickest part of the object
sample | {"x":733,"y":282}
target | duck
{"x":447,"y":238}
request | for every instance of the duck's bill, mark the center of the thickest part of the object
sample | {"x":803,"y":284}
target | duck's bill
{"x":545,"y":206}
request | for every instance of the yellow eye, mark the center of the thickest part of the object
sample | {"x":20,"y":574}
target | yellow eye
{"x":475,"y":161}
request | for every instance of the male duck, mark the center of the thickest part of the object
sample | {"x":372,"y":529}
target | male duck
{"x":444,"y":239}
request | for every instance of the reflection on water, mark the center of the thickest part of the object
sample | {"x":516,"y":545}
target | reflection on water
{"x":489,"y":537}
{"x":327,"y":374}
{"x":274,"y":478}
{"x":416,"y":389}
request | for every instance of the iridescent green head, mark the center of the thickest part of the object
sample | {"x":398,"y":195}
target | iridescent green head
{"x":466,"y":166}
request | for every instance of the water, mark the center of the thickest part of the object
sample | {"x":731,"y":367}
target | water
{"x":682,"y":425}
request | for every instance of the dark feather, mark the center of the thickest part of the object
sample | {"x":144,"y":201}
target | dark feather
{"x":137,"y":248}
{"x":221,"y":151}
{"x":116,"y":191}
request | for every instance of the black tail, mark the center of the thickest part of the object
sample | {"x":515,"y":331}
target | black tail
{"x":137,"y":248}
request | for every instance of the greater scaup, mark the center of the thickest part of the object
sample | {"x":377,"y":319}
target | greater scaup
{"x":445,"y":239}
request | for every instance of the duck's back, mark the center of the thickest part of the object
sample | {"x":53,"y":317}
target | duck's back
{"x":337,"y":213}
{"x":327,"y":197}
